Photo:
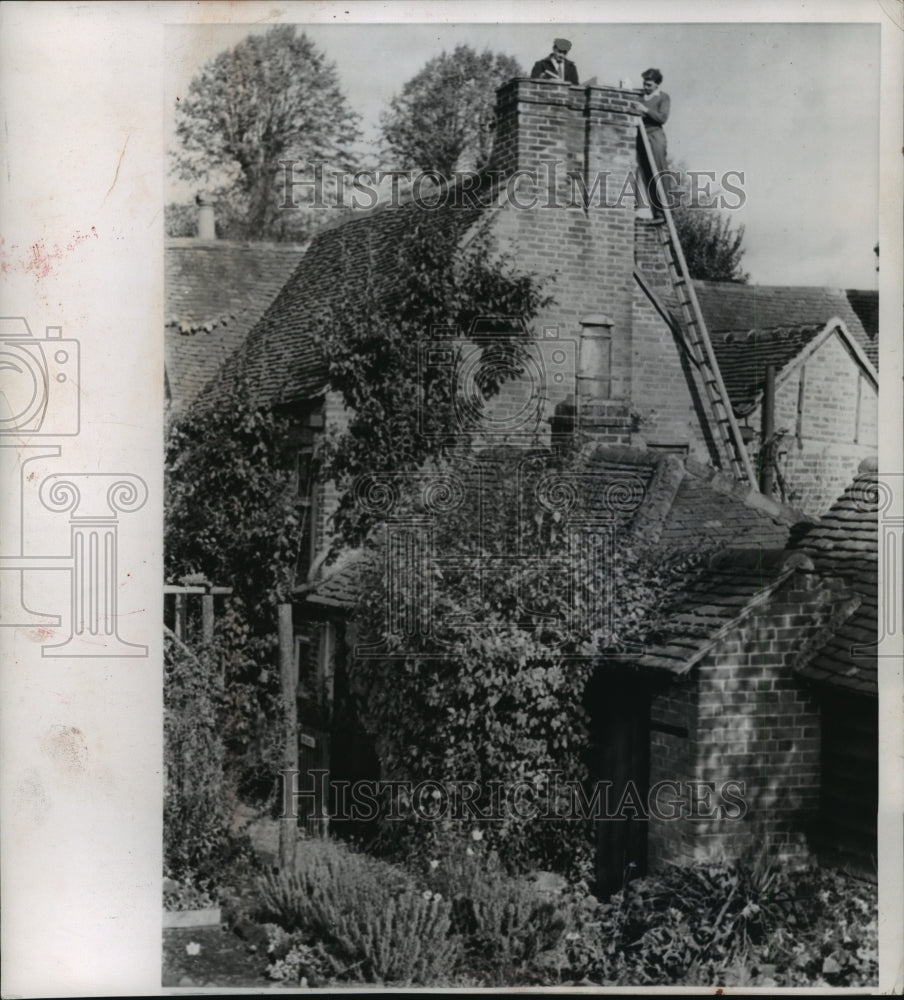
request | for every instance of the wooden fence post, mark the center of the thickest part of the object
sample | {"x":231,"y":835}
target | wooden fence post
{"x":207,"y":617}
{"x":288,"y":826}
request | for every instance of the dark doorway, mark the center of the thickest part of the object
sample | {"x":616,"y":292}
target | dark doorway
{"x":619,"y":703}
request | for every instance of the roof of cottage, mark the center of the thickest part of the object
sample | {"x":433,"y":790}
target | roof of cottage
{"x":744,"y":357}
{"x":736,"y":580}
{"x":844,"y":544}
{"x":728,"y":307}
{"x":754,"y":326}
{"x":676,"y":505}
{"x":754,"y":554}
{"x":710,"y":508}
{"x":216,"y":290}
{"x":343,"y":265}
{"x":865,"y":303}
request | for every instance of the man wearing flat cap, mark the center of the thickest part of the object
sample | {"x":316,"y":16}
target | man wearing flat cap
{"x":555,"y":66}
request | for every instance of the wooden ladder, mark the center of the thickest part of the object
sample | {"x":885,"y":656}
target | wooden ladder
{"x":696,"y":335}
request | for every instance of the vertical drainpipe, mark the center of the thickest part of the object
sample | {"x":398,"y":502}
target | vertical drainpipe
{"x":767,"y":450}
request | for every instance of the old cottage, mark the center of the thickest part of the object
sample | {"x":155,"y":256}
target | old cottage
{"x":744,"y":412}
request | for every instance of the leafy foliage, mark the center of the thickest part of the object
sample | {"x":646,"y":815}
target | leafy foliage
{"x":272,"y":97}
{"x":752,"y":922}
{"x":198,"y":848}
{"x":437,"y":290}
{"x":712,"y":247}
{"x":367,"y":912}
{"x":443,"y":119}
{"x":503,"y":698}
{"x":296,"y":962}
{"x":233,"y":515}
{"x":233,"y":512}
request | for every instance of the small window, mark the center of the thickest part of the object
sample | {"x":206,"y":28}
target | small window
{"x":596,"y":357}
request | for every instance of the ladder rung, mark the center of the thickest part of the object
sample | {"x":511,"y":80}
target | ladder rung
{"x":698,"y":347}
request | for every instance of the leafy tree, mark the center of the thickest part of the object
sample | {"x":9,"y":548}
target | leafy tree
{"x":272,"y":97}
{"x":232,"y":513}
{"x":443,"y":118}
{"x":712,"y":248}
{"x":371,"y":352}
{"x":232,"y":509}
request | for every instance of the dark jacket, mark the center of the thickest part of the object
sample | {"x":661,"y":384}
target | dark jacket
{"x":546,"y":69}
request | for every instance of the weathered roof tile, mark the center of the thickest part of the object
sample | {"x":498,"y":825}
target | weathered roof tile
{"x":216,"y":290}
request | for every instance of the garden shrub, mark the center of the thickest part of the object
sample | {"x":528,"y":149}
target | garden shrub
{"x":368,"y":913}
{"x":751,"y":922}
{"x":200,"y":852}
{"x":297,"y":962}
{"x":459,"y":918}
{"x":512,"y":930}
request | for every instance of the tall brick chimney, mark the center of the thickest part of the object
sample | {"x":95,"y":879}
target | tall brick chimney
{"x":573,"y":147}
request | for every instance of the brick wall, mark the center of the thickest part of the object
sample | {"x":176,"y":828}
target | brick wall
{"x":583,"y":241}
{"x":837,"y":428}
{"x":672,"y":758}
{"x":583,"y":253}
{"x":749,"y":719}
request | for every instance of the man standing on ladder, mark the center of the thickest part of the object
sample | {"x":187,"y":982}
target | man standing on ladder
{"x":656,"y":106}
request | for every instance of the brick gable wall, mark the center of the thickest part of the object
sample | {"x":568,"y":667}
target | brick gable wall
{"x":749,"y":718}
{"x":837,"y":427}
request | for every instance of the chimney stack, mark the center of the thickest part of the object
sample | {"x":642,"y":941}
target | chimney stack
{"x":574,"y":149}
{"x":207,"y":229}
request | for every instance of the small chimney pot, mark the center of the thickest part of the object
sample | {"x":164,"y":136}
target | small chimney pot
{"x":207,"y":227}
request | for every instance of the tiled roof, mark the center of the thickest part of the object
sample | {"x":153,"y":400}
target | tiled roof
{"x":729,"y":307}
{"x":279,"y":358}
{"x":697,"y":507}
{"x":744,"y":357}
{"x":714,"y":599}
{"x":747,"y":533}
{"x":710,"y":508}
{"x":865,"y":304}
{"x":617,"y":481}
{"x":752,"y":326}
{"x":841,"y":546}
{"x":844,"y":544}
{"x":216,"y":290}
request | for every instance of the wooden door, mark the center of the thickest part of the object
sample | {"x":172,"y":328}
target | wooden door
{"x":620,"y":762}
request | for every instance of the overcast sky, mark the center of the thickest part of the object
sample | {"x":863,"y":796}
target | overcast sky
{"x":793,"y":106}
